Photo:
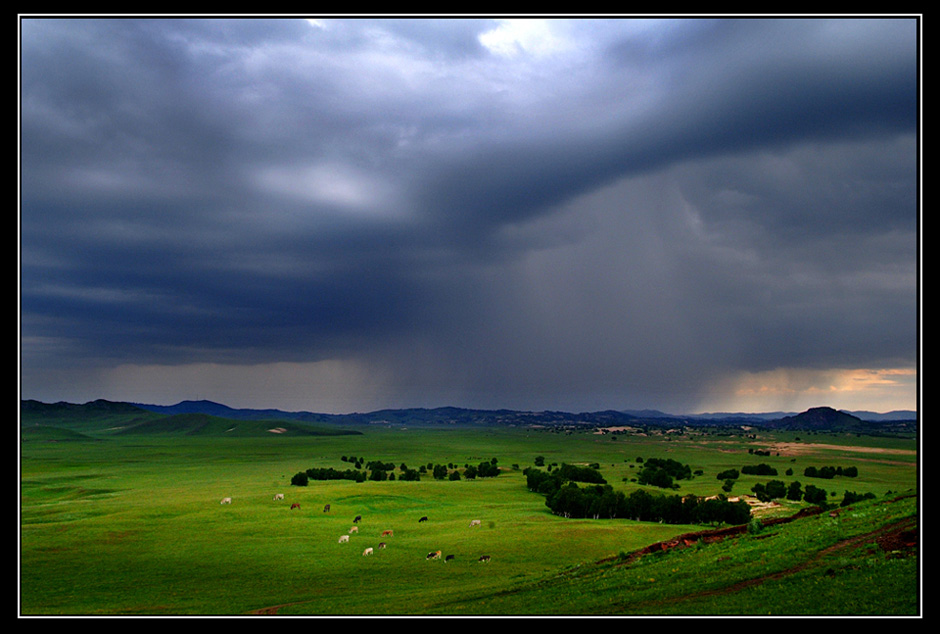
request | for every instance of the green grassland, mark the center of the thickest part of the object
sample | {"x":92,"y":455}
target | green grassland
{"x":131,"y":524}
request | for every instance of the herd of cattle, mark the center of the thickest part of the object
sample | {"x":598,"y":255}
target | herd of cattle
{"x":344,"y":539}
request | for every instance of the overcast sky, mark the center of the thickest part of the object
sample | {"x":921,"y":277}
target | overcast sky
{"x":343,"y":215}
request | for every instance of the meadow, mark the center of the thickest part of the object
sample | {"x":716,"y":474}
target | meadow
{"x":133,"y":525}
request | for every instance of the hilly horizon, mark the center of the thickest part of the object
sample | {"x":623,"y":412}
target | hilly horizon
{"x":198,"y":424}
{"x":207,"y":406}
{"x":204,"y":417}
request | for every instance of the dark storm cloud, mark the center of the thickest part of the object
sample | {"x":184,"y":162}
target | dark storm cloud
{"x":567,"y":216}
{"x":746,"y":85}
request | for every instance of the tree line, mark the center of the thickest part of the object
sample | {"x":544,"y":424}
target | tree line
{"x":378,"y":471}
{"x":830,"y":472}
{"x":565,"y":497}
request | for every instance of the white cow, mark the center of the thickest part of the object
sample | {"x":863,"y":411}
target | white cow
{"x":367,"y":551}
{"x":343,"y":539}
{"x":278,"y":496}
{"x":474,"y":523}
{"x":226,"y":501}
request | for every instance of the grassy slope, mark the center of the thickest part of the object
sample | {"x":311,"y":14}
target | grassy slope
{"x":132,"y":525}
{"x":821,"y":565}
{"x":214,"y":426}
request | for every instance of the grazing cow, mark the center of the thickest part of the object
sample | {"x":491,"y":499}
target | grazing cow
{"x":294,"y":506}
{"x":386,"y":533}
{"x":356,"y":520}
{"x":434,"y":555}
{"x":278,"y":496}
{"x":381,"y":545}
{"x":354,"y":529}
{"x":474,"y":523}
{"x":448,"y":558}
{"x":226,"y":501}
{"x":343,"y":539}
{"x":423,"y":519}
{"x":326,"y":509}
{"x":367,"y":551}
{"x":484,"y":558}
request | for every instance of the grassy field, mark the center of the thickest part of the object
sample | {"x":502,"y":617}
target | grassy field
{"x":132,"y":525}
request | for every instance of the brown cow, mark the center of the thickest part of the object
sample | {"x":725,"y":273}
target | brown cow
{"x":386,"y":533}
{"x":326,"y":509}
{"x":434,"y":555}
{"x":295,"y":505}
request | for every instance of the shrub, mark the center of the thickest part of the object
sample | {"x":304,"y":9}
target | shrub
{"x":814,"y":495}
{"x":793,"y":491}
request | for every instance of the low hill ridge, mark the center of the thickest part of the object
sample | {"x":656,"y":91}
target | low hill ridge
{"x":820,"y":418}
{"x":114,"y":418}
{"x":136,"y":414}
{"x":196,"y":424}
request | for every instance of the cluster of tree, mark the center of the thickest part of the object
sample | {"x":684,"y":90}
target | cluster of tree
{"x":372,"y":465}
{"x":851,"y":497}
{"x":379,"y":471}
{"x":383,"y":472}
{"x":759,"y":469}
{"x":483,"y":470}
{"x":599,"y":500}
{"x":830,"y":472}
{"x":729,"y":476}
{"x":357,"y":462}
{"x":777,"y":489}
{"x":327,"y":473}
{"x":662,"y":472}
{"x":548,"y":482}
{"x":575,"y":473}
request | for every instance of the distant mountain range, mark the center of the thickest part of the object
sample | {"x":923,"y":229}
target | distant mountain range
{"x":457,"y":413}
{"x":818,"y":419}
{"x":895,"y":415}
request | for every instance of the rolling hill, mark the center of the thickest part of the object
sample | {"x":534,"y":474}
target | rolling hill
{"x":71,"y":421}
{"x":207,"y":418}
{"x":206,"y":425}
{"x":815,"y":419}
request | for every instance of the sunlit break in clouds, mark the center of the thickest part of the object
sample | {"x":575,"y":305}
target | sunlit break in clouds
{"x":709,"y":214}
{"x":797,"y":390}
